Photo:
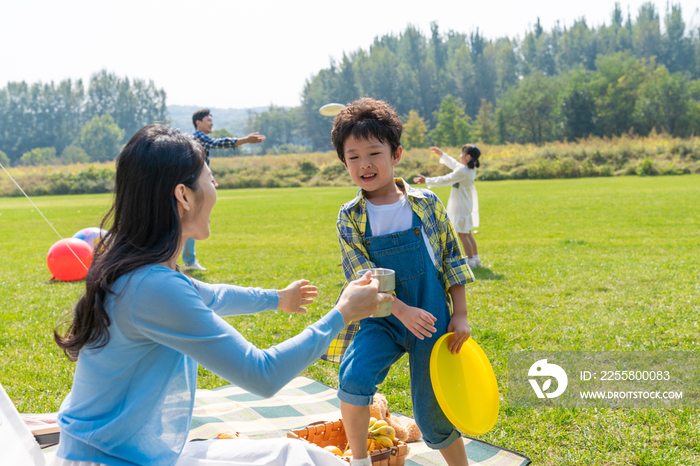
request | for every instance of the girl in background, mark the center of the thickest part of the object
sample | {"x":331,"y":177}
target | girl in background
{"x":463,"y":204}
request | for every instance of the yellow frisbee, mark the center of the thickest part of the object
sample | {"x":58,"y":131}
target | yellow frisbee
{"x":465,"y":386}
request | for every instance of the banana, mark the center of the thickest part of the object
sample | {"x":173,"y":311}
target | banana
{"x":372,"y":420}
{"x":377,"y":425}
{"x":384,"y":441}
{"x":384,"y":430}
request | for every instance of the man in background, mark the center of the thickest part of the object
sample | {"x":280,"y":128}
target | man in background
{"x":203,"y":125}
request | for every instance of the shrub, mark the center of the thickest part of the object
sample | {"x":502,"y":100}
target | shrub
{"x":541,"y":169}
{"x":646,"y":167}
{"x":606,"y":170}
{"x":333,"y":170}
{"x":626,"y":155}
{"x":491,"y":175}
{"x":567,"y":168}
{"x":588,"y":168}
{"x":519,"y":173}
{"x":39,"y":156}
{"x":4,"y":159}
{"x":307,"y":167}
{"x":670,"y":168}
{"x":74,"y":154}
{"x":290,"y":149}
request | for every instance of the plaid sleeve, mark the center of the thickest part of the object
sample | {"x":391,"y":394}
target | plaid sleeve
{"x":215,"y":143}
{"x":455,"y":268}
{"x":354,"y":257}
{"x":352,"y":247}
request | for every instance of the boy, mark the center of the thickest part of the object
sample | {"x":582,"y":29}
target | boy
{"x":203,"y":126}
{"x":391,"y":225}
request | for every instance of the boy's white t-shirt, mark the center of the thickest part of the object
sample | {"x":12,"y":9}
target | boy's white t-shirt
{"x":392,"y":218}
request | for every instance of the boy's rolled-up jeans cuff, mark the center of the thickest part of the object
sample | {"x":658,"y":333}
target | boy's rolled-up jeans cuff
{"x":355,"y":400}
{"x":455,"y":435}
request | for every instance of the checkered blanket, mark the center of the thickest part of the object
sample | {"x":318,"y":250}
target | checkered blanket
{"x":298,"y":404}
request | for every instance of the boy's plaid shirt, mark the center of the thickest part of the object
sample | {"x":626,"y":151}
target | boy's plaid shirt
{"x":216,"y":143}
{"x":452,"y":267}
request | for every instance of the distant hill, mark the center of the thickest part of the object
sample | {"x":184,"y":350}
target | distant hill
{"x":232,"y":119}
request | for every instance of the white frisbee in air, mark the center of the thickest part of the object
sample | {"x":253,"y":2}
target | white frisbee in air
{"x":331,"y":110}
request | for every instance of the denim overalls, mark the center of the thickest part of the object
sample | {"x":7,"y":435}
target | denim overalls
{"x":381,"y":342}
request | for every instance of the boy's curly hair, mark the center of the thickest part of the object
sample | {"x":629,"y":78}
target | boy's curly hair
{"x":367,"y":118}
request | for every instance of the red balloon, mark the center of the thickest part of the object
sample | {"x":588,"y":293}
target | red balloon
{"x":63,"y":263}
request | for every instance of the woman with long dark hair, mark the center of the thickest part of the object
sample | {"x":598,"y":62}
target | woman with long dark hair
{"x":142,"y":327}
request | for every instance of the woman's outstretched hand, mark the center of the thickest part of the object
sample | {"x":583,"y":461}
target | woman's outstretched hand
{"x":296,"y":296}
{"x":436,"y":151}
{"x":361,"y":298}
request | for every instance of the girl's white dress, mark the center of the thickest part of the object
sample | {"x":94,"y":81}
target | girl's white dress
{"x":463,"y":204}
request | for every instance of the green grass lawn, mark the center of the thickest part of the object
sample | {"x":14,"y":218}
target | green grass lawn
{"x":580,"y":264}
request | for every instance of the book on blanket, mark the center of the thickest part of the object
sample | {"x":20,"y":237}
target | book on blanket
{"x":43,"y":427}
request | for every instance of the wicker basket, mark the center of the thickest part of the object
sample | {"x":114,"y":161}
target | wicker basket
{"x":324,"y":434}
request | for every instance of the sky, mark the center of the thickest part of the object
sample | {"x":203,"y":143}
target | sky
{"x":242,"y":54}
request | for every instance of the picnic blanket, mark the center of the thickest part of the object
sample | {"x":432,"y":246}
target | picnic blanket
{"x":298,"y":404}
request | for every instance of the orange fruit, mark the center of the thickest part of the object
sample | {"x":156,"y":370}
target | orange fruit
{"x":333,"y":449}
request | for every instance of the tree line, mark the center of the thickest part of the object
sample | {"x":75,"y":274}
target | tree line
{"x":47,"y":122}
{"x":631,"y":76}
{"x":569,"y":82}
